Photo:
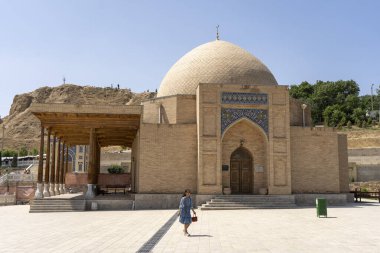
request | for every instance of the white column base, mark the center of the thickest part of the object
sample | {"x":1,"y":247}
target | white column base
{"x":46,"y":192}
{"x":38,"y":194}
{"x":57,"y":189}
{"x":90,"y":194}
{"x":61,"y":190}
{"x":51,"y":191}
{"x":64,"y":188}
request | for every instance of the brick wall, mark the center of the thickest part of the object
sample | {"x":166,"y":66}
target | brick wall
{"x":343,"y":163}
{"x":186,"y":110}
{"x":168,"y":158}
{"x":103,"y":179}
{"x":296,"y":113}
{"x":315,"y":160}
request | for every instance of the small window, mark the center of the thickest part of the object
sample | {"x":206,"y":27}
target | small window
{"x":80,"y":167}
{"x":80,"y":149}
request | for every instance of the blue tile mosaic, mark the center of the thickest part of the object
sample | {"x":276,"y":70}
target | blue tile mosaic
{"x":244,"y":98}
{"x":258,"y":116}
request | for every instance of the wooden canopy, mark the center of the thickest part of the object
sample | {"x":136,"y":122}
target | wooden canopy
{"x":112,"y":124}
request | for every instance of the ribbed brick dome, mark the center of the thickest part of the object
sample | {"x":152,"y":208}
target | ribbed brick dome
{"x":214,"y":62}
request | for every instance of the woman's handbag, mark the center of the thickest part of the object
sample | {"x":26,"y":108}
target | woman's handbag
{"x":194,"y":218}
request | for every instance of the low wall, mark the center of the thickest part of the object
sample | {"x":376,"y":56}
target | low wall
{"x":369,"y":172}
{"x":76,"y":179}
{"x":7,"y":200}
{"x":332,"y":199}
{"x":21,"y":193}
{"x":114,"y":179}
{"x":80,"y":179}
{"x":110,"y":204}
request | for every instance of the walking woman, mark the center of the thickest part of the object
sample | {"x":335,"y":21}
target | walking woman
{"x":184,"y":211}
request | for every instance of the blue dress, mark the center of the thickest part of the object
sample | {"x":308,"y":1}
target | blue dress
{"x":185,"y":206}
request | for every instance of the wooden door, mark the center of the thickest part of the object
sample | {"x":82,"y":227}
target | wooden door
{"x":241,"y":171}
{"x":235,"y":177}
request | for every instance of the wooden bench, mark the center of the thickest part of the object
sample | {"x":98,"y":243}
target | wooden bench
{"x":115,"y":188}
{"x":358,"y":195}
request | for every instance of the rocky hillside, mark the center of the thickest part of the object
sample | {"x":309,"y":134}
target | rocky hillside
{"x":23,"y":129}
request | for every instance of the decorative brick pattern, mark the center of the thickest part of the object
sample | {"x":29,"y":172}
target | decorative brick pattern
{"x":258,"y":116}
{"x":244,"y":98}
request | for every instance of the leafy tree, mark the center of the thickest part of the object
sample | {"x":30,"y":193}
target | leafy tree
{"x":333,"y":116}
{"x":9,"y":153}
{"x":358,"y":116}
{"x":23,"y":151}
{"x":334,"y":102}
{"x":1,"y":160}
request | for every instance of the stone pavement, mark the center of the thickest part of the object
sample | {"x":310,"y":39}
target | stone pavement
{"x":348,"y":229}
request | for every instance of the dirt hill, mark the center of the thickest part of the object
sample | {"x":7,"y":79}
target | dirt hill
{"x":368,"y":138}
{"x":23,"y":129}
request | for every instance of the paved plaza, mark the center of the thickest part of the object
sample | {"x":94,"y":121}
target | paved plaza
{"x":352,"y":228}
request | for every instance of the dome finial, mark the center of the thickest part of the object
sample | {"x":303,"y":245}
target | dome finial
{"x":217,"y":32}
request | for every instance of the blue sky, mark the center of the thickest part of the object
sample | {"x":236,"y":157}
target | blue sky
{"x":134,"y":43}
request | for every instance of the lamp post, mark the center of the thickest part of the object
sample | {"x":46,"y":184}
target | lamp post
{"x":372,"y":96}
{"x":303,"y":106}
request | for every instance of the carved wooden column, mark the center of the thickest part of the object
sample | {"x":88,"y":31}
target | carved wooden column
{"x":92,"y":178}
{"x":46,"y":192}
{"x":98,"y":159}
{"x":62,"y":169}
{"x":38,"y":194}
{"x":66,"y":167}
{"x":53,"y":166}
{"x":58,"y":169}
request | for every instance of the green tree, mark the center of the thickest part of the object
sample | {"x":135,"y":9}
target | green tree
{"x":321,"y":95}
{"x":9,"y":153}
{"x":23,"y":151}
{"x":358,"y":116}
{"x":334,"y":116}
{"x":1,"y":161}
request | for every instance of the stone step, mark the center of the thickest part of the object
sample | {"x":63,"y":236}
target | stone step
{"x":255,"y":197}
{"x":248,"y":204}
{"x":247,"y":207}
{"x":53,"y":211}
{"x":56,"y":205}
{"x":232,"y":202}
{"x":250,"y":201}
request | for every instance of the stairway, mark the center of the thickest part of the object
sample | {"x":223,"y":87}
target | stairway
{"x":232,"y":202}
{"x":57,"y":205}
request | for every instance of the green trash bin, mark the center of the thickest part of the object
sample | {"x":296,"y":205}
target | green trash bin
{"x":321,"y":205}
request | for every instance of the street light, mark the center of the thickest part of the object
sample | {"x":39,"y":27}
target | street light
{"x":372,"y":96}
{"x":303,"y":106}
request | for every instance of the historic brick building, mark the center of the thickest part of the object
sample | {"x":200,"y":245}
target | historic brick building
{"x":220,"y":123}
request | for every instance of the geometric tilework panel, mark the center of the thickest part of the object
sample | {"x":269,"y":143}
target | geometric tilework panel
{"x":244,"y":98}
{"x":258,"y":116}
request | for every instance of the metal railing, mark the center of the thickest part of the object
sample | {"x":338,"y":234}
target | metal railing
{"x":16,"y":178}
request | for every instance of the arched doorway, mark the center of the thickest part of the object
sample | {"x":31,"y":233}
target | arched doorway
{"x":241,"y":171}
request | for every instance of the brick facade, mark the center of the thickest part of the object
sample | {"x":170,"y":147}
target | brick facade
{"x":183,"y":142}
